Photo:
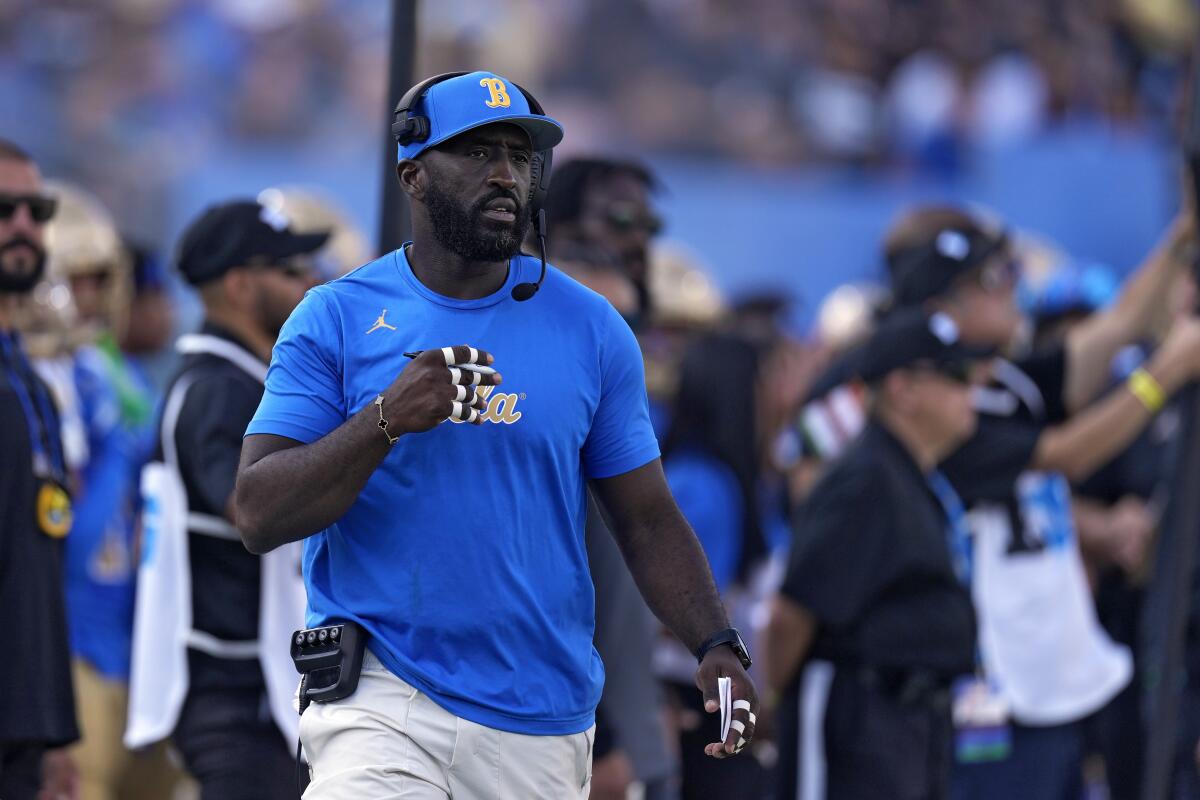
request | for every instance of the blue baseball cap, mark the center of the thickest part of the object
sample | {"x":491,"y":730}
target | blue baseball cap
{"x":469,"y":101}
{"x":1071,"y":288}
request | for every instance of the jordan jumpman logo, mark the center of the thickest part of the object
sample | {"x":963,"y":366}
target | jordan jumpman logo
{"x":379,"y":323}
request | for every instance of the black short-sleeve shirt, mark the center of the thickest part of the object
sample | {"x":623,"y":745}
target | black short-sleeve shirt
{"x":1025,"y":398}
{"x":870,"y":560}
{"x":218,"y":406}
{"x":36,"y":699}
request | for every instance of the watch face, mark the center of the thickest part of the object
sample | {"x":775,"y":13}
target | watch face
{"x":739,"y":649}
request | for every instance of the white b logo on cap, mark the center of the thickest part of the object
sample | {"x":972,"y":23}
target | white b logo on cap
{"x":952,"y":244}
{"x":944,"y":328}
{"x":274,"y":217}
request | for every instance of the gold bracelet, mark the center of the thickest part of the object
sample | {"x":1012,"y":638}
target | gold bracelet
{"x":383,"y":423}
{"x":1145,"y":387}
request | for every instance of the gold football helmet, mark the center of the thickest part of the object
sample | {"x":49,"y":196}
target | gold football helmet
{"x":308,"y":211}
{"x":85,"y":254}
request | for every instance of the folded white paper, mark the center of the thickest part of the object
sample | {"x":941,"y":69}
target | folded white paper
{"x":725,"y":689}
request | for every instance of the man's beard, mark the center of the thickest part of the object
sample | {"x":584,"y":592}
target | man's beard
{"x":10,"y":281}
{"x":470,"y":235}
{"x":272,"y":313}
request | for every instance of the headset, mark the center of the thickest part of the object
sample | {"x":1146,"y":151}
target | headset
{"x":408,"y":128}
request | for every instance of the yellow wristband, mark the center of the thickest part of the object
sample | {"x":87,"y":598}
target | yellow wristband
{"x":1145,"y":387}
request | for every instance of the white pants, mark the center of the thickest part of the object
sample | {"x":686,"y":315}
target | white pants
{"x":388,"y":740}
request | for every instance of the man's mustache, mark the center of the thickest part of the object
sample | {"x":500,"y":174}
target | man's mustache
{"x":500,"y":194}
{"x":22,"y":241}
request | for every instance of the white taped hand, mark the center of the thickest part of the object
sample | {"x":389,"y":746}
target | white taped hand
{"x":464,"y":412}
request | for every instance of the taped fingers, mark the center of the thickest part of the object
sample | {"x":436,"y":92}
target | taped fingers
{"x":465,"y":354}
{"x":464,"y":394}
{"x":463,"y":412}
{"x":469,"y":377}
{"x":741,"y":731}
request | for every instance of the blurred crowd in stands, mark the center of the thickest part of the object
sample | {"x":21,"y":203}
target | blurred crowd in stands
{"x":146,"y":85}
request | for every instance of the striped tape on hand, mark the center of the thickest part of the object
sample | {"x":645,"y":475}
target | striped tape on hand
{"x":463,"y":411}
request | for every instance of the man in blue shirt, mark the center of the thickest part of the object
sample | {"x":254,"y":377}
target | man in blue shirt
{"x":459,"y":547}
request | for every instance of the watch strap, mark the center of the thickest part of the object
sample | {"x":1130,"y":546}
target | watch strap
{"x":729,"y":636}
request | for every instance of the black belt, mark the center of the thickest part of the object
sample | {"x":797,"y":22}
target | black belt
{"x":909,"y":687}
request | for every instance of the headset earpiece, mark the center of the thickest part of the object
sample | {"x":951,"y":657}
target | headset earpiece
{"x":408,"y":127}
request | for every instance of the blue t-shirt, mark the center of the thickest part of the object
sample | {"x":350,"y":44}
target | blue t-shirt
{"x":464,"y":554}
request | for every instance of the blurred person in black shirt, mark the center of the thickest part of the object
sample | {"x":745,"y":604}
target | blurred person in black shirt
{"x":874,"y":620}
{"x":37,"y":709}
{"x":1046,"y":663}
{"x":234,"y":726}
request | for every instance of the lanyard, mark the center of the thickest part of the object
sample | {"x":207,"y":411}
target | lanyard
{"x":958,"y":532}
{"x":958,"y":536}
{"x":48,"y":460}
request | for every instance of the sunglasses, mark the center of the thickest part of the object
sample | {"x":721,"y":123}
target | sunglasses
{"x":629,"y":217}
{"x":41,"y":208}
{"x":957,"y":371}
{"x":294,"y":269}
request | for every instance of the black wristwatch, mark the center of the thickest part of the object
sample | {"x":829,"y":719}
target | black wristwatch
{"x":731,"y":637}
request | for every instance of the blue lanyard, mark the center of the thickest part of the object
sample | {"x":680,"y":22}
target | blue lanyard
{"x":46,"y":446}
{"x":958,"y":532}
{"x":958,"y":536}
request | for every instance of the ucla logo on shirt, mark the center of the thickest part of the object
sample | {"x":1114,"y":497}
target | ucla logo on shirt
{"x":497,"y":91}
{"x":501,"y":406}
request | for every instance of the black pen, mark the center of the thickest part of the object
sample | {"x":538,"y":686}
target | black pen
{"x":480,"y":368}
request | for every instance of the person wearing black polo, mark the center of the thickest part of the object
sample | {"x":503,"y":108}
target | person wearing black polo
{"x":37,"y":707}
{"x":1045,"y":418}
{"x":873,"y":622}
{"x":230,"y":726}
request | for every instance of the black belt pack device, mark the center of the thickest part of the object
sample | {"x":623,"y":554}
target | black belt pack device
{"x":330,"y":659}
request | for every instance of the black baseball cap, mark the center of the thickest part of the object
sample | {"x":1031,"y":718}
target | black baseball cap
{"x":906,"y":337}
{"x":239,"y":233}
{"x":926,"y":270}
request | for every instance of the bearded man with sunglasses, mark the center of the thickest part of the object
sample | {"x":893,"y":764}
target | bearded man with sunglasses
{"x":37,"y":709}
{"x":1044,"y":662}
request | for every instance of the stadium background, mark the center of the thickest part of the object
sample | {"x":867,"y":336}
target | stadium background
{"x":786,"y":133}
